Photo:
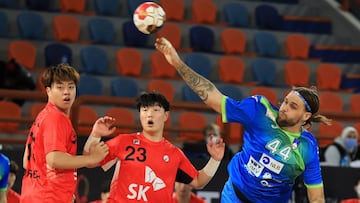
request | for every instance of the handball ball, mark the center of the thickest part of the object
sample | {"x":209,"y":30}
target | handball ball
{"x":149,"y":17}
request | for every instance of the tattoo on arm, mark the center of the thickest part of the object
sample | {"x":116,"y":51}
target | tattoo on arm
{"x":198,"y":83}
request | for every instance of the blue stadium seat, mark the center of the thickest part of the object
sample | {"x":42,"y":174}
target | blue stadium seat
{"x":202,"y":38}
{"x":231,"y":91}
{"x":89,"y":85}
{"x":94,"y":60}
{"x":30,"y":25}
{"x":266,"y":44}
{"x":8,"y":3}
{"x":101,"y":30}
{"x":267,"y":17}
{"x":189,"y":95}
{"x":236,"y":14}
{"x":124,"y":87}
{"x":4,"y":24}
{"x":56,"y":53}
{"x":40,"y":5}
{"x":107,"y":7}
{"x":133,"y":4}
{"x":264,"y":71}
{"x":132,"y":36}
{"x":200,"y":63}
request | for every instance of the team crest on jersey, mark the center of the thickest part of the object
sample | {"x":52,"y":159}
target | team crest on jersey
{"x":136,"y":141}
{"x":150,"y":177}
{"x":166,"y":158}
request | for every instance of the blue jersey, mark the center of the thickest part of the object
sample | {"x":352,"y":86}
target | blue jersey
{"x":271,"y":158}
{"x":4,"y":171}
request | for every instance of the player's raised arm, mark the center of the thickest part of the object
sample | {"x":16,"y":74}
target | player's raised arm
{"x":103,"y":126}
{"x":200,"y":85}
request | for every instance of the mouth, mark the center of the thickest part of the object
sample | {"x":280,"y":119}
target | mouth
{"x":150,"y":123}
{"x":67,"y":100}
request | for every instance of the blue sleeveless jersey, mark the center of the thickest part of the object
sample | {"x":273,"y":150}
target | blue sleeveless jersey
{"x":271,"y":158}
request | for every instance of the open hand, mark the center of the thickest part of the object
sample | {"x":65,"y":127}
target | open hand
{"x":165,"y":47}
{"x":103,"y":126}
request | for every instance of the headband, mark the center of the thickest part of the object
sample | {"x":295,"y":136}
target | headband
{"x":303,"y":99}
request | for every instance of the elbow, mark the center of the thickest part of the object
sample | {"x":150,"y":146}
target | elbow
{"x":51,"y":162}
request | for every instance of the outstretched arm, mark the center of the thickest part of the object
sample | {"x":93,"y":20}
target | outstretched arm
{"x":216,"y":151}
{"x":200,"y":85}
{"x":102,"y":127}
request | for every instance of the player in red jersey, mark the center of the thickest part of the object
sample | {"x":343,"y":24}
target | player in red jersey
{"x":50,"y":158}
{"x":183,"y":194}
{"x":147,"y":164}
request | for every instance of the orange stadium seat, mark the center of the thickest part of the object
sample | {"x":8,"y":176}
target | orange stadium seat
{"x":297,"y":73}
{"x":192,"y":120}
{"x":24,"y":52}
{"x":355,"y":103}
{"x":87,"y":117}
{"x":77,"y":6}
{"x":269,"y":93}
{"x":159,"y":66}
{"x":174,"y":9}
{"x":162,"y":86}
{"x":36,"y":108}
{"x":297,"y":46}
{"x":330,"y":101}
{"x":66,"y":28}
{"x":328,"y":77}
{"x":357,"y":127}
{"x":123,"y":116}
{"x":129,"y":62}
{"x":11,"y":110}
{"x":203,"y":11}
{"x":235,"y":131}
{"x":172,"y":32}
{"x":231,"y":69}
{"x":327,"y":133}
{"x":233,"y":41}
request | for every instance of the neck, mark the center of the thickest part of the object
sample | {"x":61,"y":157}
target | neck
{"x":154,"y":137}
{"x":293,"y":129}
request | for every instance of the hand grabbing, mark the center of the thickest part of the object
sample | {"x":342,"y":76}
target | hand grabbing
{"x":97,"y":152}
{"x":217,"y":149}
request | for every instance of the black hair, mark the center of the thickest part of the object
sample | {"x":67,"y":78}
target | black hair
{"x":147,"y":99}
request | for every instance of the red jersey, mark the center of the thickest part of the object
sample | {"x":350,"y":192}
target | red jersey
{"x":193,"y":199}
{"x":12,"y":196}
{"x":146,"y":171}
{"x":355,"y":200}
{"x":51,"y":131}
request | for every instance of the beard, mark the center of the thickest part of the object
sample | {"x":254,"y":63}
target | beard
{"x":283,"y":122}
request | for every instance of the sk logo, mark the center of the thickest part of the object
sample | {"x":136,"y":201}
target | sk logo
{"x":150,"y":177}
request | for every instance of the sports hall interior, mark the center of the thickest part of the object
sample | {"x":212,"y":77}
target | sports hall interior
{"x":245,"y":47}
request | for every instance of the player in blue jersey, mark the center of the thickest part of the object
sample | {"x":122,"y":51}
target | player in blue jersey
{"x":4,"y":176}
{"x":277,"y":147}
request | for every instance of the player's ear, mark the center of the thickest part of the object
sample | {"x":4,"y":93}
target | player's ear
{"x":167,"y":114}
{"x":307,"y":115}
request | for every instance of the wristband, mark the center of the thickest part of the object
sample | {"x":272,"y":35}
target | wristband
{"x":89,"y":141}
{"x":211,"y":167}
